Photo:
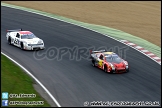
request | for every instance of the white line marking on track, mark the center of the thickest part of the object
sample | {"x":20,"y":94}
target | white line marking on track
{"x":138,"y":47}
{"x":156,"y":58}
{"x":131,"y":44}
{"x":145,"y":51}
{"x":123,"y":40}
{"x":150,"y":54}
{"x":34,"y":79}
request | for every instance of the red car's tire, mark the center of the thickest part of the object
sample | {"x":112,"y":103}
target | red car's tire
{"x":105,"y":69}
{"x":93,"y":63}
{"x":127,"y":70}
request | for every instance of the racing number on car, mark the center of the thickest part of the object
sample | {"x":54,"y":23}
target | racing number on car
{"x":100,"y":63}
{"x":16,"y":41}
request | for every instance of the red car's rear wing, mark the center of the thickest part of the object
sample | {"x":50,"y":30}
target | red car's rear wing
{"x":14,"y":30}
{"x":100,"y":51}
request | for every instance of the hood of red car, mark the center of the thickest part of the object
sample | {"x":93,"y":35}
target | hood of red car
{"x":119,"y":65}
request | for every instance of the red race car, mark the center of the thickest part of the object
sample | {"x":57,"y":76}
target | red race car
{"x":109,"y":62}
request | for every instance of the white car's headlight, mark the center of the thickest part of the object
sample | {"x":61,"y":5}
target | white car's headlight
{"x":25,"y":43}
{"x":40,"y":41}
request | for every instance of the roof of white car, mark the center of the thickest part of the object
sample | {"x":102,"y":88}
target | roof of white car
{"x":25,"y":32}
{"x":22,"y":32}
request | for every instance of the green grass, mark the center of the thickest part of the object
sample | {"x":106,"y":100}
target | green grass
{"x":15,"y":80}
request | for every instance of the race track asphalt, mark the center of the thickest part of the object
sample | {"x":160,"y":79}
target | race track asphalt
{"x":72,"y":82}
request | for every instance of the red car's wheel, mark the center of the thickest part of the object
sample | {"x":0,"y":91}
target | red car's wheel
{"x":93,"y":63}
{"x":127,"y":70}
{"x":105,"y":69}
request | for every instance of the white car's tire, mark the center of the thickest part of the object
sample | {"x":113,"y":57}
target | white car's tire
{"x":22,"y":46}
{"x":9,"y":41}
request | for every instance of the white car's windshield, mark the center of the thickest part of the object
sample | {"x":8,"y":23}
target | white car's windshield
{"x":28,"y":36}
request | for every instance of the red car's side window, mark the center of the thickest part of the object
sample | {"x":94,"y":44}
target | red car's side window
{"x":101,"y":57}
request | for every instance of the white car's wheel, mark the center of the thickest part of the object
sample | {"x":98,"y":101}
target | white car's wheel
{"x":22,"y":46}
{"x":9,"y":41}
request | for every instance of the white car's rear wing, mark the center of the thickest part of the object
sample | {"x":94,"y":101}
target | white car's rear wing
{"x":14,"y":30}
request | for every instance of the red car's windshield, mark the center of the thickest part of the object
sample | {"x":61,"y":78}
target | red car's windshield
{"x":113,"y":58}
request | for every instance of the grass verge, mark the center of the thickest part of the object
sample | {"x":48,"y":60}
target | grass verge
{"x":15,"y":80}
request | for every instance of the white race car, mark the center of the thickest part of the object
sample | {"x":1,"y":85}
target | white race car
{"x":26,"y":40}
